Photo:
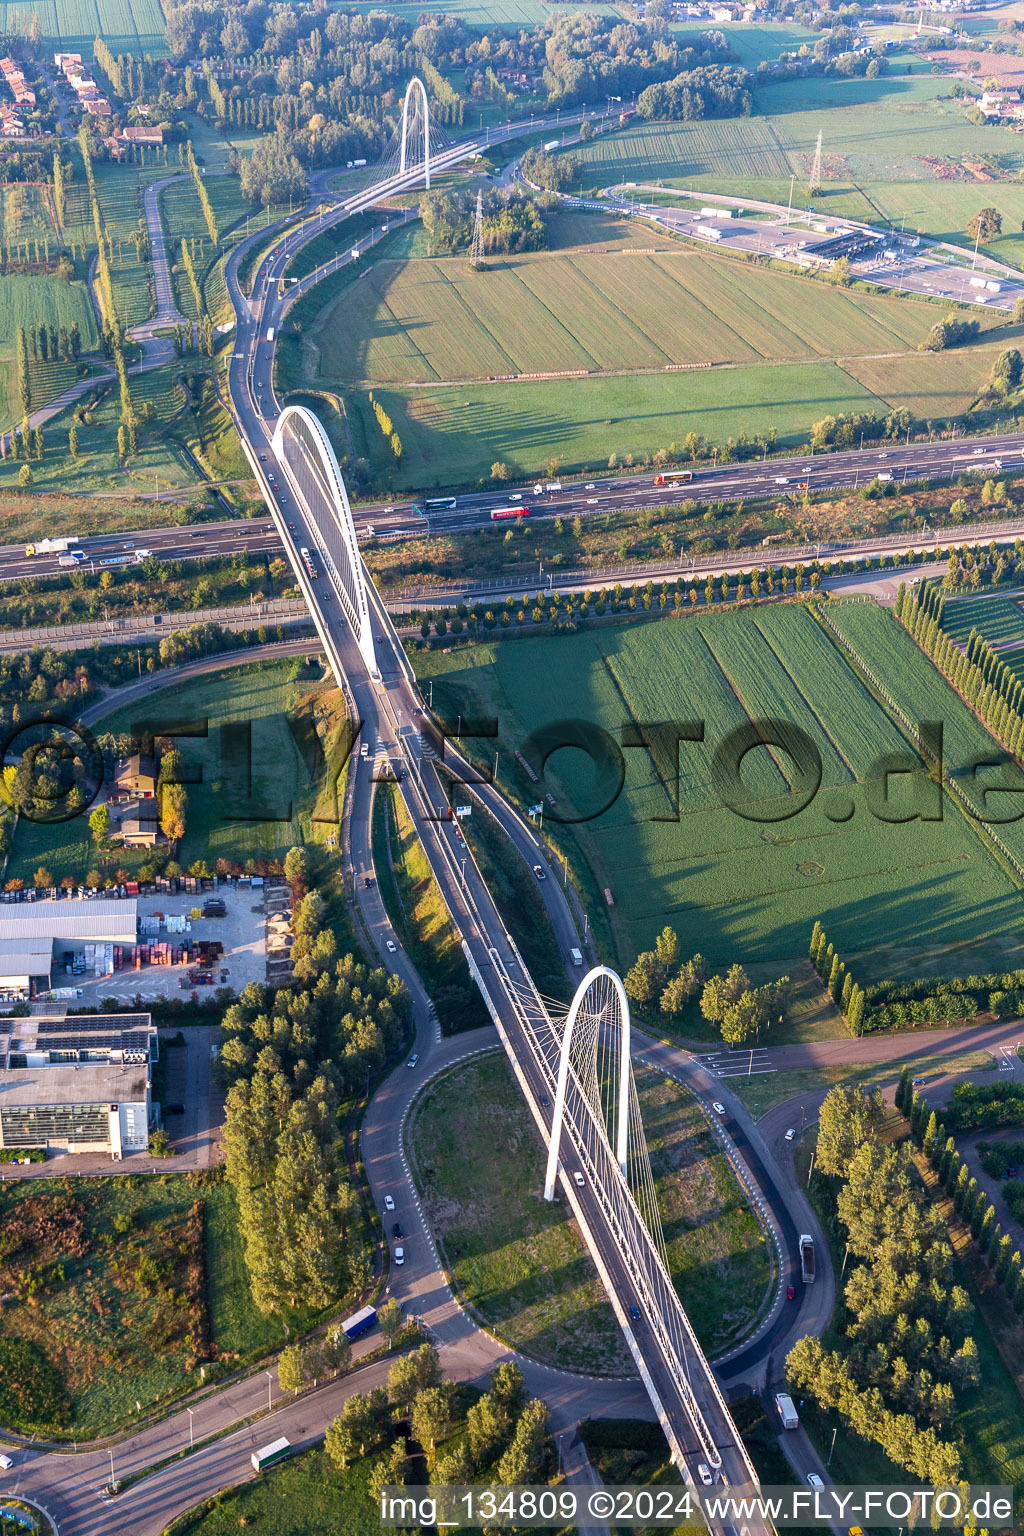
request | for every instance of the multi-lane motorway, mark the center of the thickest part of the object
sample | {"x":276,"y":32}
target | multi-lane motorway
{"x":765,"y":479}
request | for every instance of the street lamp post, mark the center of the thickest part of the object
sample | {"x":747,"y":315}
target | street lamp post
{"x":191,"y":1430}
{"x":270,"y":1390}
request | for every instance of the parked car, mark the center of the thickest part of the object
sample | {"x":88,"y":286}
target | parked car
{"x":389,"y":1202}
{"x":718,"y":1108}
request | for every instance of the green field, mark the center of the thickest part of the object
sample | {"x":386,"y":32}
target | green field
{"x":222,"y":822}
{"x":452,"y":435}
{"x":739,"y":887}
{"x":999,"y":619}
{"x":305,"y":1497}
{"x":521,"y":1263}
{"x":765,"y":40}
{"x":127,"y":26}
{"x":437,"y":343}
{"x":31,"y":300}
{"x":428,"y":322}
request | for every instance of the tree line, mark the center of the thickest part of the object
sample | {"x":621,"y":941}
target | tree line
{"x":711,"y":90}
{"x":740,"y":1010}
{"x":908,"y":1355}
{"x":978,"y":673}
{"x":289,"y":1056}
{"x":970,"y":1203}
{"x":510,"y":224}
{"x":501,"y":1438}
{"x":847,"y":994}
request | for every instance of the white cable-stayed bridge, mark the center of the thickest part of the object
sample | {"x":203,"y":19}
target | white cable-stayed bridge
{"x":576,"y":1072}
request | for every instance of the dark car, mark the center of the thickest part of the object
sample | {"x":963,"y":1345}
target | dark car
{"x":790,"y":1292}
{"x":263,"y":458}
{"x":545,"y":1100}
{"x":396,"y":1230}
{"x":174,"y":1109}
{"x":634,"y":1313}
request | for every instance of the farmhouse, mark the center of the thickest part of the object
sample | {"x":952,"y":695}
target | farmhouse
{"x":79,"y":1084}
{"x":136,"y":776}
{"x":1001,"y":104}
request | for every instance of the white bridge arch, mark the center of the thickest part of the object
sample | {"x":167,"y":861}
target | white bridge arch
{"x":414,"y":88}
{"x":304,"y":452}
{"x":600,"y":1012}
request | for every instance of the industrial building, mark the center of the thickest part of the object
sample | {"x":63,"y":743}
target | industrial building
{"x":42,"y":943}
{"x":77,"y":1084}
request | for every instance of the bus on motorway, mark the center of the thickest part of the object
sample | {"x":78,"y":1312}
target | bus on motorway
{"x":500,"y":512}
{"x":269,"y":1455}
{"x":360,"y":1321}
{"x":441,"y":503}
{"x":674,"y":477}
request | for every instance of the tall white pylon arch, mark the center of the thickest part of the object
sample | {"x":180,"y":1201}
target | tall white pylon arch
{"x":598,"y":1025}
{"x":416,"y":85}
{"x":304,"y":452}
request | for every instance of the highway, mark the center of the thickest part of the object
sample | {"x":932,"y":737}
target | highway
{"x":991,"y":456}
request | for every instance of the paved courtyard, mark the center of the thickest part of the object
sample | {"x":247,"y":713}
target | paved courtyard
{"x":242,"y":932}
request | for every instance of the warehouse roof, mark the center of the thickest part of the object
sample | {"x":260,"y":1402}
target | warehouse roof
{"x":111,"y":921}
{"x":94,"y":1083}
{"x":25,"y":956}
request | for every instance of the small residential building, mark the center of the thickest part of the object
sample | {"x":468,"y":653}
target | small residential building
{"x":139,"y":826}
{"x":136,"y":776}
{"x":142,"y":133}
{"x":77,"y":1084}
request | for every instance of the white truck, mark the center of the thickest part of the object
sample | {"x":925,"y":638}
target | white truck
{"x":551,"y":144}
{"x":71,"y":559}
{"x":51,"y":546}
{"x":270,"y":333}
{"x":550,"y":485}
{"x":787,"y":1412}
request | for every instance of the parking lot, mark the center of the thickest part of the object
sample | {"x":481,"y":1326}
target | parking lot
{"x":242,"y":931}
{"x":928,"y":270}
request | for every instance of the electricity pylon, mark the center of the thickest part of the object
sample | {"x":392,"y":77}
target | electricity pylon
{"x":815,"y":182}
{"x":476,"y":255}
